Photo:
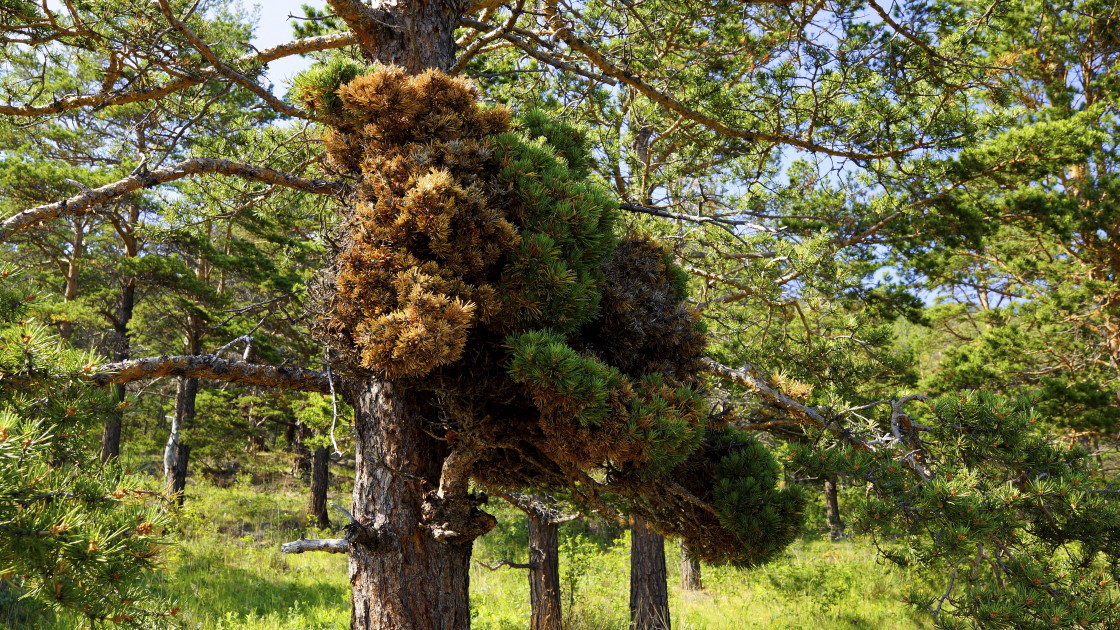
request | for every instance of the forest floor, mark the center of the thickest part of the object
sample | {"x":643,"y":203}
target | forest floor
{"x":228,"y":573}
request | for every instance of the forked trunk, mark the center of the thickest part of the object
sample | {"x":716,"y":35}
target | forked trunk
{"x":690,"y":570}
{"x":402,"y":577}
{"x":649,"y":590}
{"x":320,"y":471}
{"x":544,"y":572}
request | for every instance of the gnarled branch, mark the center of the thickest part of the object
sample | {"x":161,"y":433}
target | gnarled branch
{"x":108,"y":99}
{"x":211,"y":367}
{"x":89,"y":198}
{"x":329,"y":545}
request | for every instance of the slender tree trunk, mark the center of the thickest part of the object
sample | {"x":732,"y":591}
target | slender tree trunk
{"x":176,"y":454}
{"x":690,"y":570}
{"x":111,"y":435}
{"x":832,"y":510}
{"x":649,"y":588}
{"x":73,"y":269}
{"x":544,"y":573}
{"x":402,"y":577}
{"x":320,"y":473}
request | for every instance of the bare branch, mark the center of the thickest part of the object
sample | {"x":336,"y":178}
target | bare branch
{"x":329,"y":545}
{"x":362,"y":20}
{"x":82,"y":203}
{"x":108,"y":99}
{"x":723,"y":222}
{"x":209,"y":55}
{"x":514,"y":37}
{"x":506,"y":563}
{"x":211,"y":367}
{"x":807,"y":416}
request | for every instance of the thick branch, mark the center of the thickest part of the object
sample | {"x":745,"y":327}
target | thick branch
{"x":904,"y":432}
{"x":809,"y":416}
{"x":89,"y":198}
{"x":230,"y":73}
{"x":363,"y":21}
{"x":211,"y":367}
{"x":108,"y":99}
{"x":329,"y":545}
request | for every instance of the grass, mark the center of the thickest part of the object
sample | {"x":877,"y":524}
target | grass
{"x":228,"y":573}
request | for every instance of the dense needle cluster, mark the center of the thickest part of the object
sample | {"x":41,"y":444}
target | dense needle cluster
{"x":479,"y":262}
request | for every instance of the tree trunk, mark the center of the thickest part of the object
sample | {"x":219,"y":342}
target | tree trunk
{"x":832,"y":510}
{"x":649,"y":589}
{"x":320,"y":473}
{"x":544,"y":572}
{"x":402,"y":577}
{"x":413,"y":34}
{"x":111,"y":435}
{"x":176,"y":454}
{"x":690,"y":570}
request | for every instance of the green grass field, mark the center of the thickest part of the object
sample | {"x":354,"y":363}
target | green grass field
{"x":228,"y":573}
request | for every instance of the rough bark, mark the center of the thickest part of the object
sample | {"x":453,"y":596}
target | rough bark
{"x":410,"y":546}
{"x":320,"y":472}
{"x":649,"y":589}
{"x":832,"y":510}
{"x":211,"y":367}
{"x":415,"y":35}
{"x":401,"y":576}
{"x":544,"y":573}
{"x":690,"y":570}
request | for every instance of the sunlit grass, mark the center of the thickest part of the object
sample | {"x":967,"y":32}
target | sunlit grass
{"x":228,"y":573}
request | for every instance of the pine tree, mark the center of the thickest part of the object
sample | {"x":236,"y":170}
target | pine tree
{"x":76,"y":533}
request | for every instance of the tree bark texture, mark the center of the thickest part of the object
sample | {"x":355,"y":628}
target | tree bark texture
{"x":832,"y":510}
{"x":690,"y":570}
{"x":211,"y":367}
{"x":320,"y":472}
{"x":649,"y":588}
{"x":402,"y":577}
{"x":544,"y":573}
{"x":413,"y":34}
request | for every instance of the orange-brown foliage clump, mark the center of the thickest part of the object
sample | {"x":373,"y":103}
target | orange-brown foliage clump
{"x":428,"y":225}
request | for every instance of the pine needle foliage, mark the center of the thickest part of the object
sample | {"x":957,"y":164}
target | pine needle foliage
{"x":1020,"y":532}
{"x":479,"y":261}
{"x":74,"y":534}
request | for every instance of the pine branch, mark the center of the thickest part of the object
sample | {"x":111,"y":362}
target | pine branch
{"x":188,"y":79}
{"x":563,"y":31}
{"x":211,"y":367}
{"x":82,"y":203}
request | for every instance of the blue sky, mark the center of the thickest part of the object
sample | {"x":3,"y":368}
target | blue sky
{"x":274,"y":27}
